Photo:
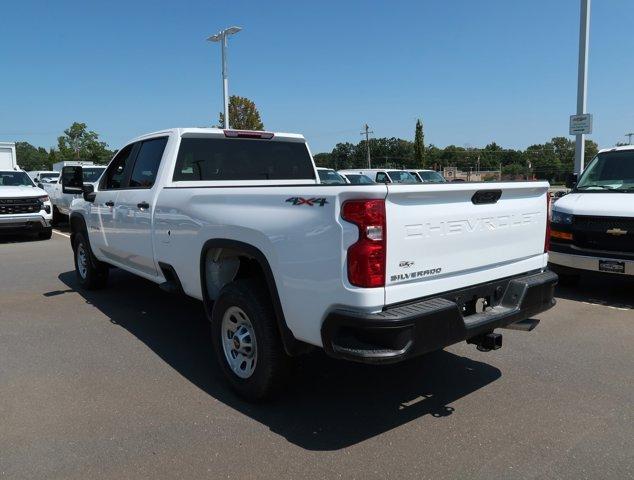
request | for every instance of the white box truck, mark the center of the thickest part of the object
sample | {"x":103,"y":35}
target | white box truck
{"x":57,"y":167}
{"x":8,"y":159}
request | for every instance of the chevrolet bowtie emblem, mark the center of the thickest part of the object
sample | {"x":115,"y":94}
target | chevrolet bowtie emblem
{"x":616,"y":231}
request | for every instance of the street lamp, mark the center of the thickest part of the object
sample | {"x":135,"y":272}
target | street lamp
{"x":222,"y":38}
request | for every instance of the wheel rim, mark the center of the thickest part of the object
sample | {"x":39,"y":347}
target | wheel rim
{"x":238,"y":342}
{"x":82,"y":261}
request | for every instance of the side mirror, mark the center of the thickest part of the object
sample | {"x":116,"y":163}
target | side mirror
{"x":571,"y":181}
{"x":72,"y":180}
{"x":89,"y":192}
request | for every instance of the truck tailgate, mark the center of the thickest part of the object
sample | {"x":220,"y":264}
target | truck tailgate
{"x":445,"y":237}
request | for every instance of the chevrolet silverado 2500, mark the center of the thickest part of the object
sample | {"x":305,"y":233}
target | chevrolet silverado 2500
{"x":371,"y":273}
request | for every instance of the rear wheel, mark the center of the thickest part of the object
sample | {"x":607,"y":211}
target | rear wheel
{"x":247,"y":342}
{"x":91,"y":273}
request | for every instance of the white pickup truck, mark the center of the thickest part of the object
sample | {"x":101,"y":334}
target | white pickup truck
{"x":24,"y":208}
{"x":593,"y":226}
{"x":371,"y":273}
{"x":61,"y":201}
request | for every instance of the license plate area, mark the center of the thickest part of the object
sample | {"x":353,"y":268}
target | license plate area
{"x":612,"y":266}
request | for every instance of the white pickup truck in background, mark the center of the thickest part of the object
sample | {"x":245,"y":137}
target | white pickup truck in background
{"x":593,"y":226}
{"x":371,"y":273}
{"x":61,"y":201}
{"x":24,"y":208}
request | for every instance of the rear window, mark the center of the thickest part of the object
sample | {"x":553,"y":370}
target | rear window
{"x":242,"y":159}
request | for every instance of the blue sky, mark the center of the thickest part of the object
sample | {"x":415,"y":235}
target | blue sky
{"x":474,"y":71}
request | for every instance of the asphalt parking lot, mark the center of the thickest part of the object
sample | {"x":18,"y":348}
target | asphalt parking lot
{"x":121,"y":383}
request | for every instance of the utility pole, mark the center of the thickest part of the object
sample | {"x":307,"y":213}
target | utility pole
{"x":629,"y":138}
{"x":367,"y":133}
{"x":582,"y":81}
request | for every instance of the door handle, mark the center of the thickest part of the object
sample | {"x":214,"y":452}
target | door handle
{"x":109,"y":203}
{"x":143,"y":205}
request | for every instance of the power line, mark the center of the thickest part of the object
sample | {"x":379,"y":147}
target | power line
{"x":629,"y":138}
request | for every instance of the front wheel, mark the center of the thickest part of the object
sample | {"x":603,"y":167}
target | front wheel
{"x":45,"y":234}
{"x":247,"y":341}
{"x":91,"y":273}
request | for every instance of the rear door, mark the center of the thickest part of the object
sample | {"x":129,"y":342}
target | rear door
{"x":445,"y":237}
{"x":134,"y":205}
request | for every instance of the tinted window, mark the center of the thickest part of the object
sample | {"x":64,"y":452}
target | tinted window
{"x":357,"y":179}
{"x":609,"y":171}
{"x":92,"y":174}
{"x":15,"y":179}
{"x":114,"y":176}
{"x":147,"y":163}
{"x":432,"y":177}
{"x":399,"y":176}
{"x":242,"y":159}
{"x":382,"y":178}
{"x":330,"y":177}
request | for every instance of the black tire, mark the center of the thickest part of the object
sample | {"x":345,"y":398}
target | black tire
{"x":45,"y":234}
{"x":272,"y":365}
{"x":57,"y":217}
{"x":93,"y":274}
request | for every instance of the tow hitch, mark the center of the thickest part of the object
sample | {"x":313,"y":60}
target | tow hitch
{"x":487,"y":341}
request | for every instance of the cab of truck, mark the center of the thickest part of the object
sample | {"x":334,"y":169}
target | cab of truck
{"x":592,"y":228}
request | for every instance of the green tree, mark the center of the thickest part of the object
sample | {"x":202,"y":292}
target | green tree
{"x":243,"y":114}
{"x":31,"y":158}
{"x":79,"y":143}
{"x":591,"y":150}
{"x":419,"y":145}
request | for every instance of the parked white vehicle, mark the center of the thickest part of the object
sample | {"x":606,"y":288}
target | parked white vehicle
{"x":61,"y":201}
{"x":24,"y":208}
{"x":44,"y":176}
{"x":283,"y":264}
{"x":428,"y":176}
{"x":593,"y":226}
{"x":8,"y":158}
{"x":382,"y":175}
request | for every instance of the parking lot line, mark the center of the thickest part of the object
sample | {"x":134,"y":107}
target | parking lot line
{"x":62,"y":234}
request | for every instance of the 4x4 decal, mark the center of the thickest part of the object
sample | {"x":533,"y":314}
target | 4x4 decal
{"x":307,"y":201}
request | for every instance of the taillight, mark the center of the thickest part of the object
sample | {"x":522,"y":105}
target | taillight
{"x":366,"y":257}
{"x":248,"y":134}
{"x":548,"y":214}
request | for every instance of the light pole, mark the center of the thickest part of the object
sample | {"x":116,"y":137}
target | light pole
{"x":582,"y":81}
{"x":222,"y":38}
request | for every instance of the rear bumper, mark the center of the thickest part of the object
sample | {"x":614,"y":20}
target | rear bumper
{"x":11,"y":225}
{"x":403,"y":331}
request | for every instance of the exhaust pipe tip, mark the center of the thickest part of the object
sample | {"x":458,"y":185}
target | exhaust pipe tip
{"x":487,"y":341}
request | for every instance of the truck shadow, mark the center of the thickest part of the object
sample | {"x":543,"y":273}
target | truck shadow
{"x":608,"y":291}
{"x":328,"y":405}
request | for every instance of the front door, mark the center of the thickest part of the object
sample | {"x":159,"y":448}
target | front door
{"x":103,"y":210}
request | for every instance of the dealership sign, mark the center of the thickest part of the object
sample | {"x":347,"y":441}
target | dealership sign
{"x":581,"y":124}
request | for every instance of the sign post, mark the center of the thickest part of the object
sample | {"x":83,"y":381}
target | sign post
{"x":582,"y":82}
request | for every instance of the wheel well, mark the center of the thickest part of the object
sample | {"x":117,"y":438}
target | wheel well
{"x":77,"y":224}
{"x":230,"y":260}
{"x":224,"y":265}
